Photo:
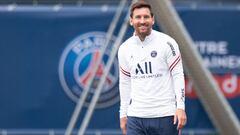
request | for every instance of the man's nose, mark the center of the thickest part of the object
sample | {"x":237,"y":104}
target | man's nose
{"x":142,"y":20}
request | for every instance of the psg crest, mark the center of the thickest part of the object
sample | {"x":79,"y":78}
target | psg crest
{"x":76,"y":64}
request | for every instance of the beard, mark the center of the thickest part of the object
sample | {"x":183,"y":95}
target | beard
{"x":143,"y":30}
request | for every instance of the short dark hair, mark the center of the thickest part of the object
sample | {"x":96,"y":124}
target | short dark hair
{"x":140,"y":4}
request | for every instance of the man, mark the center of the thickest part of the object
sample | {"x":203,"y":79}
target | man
{"x":151,"y":80}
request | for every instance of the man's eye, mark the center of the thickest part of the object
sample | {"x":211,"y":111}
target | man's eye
{"x":137,"y":17}
{"x":146,"y":17}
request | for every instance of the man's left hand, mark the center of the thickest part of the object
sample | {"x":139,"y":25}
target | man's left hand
{"x":180,"y":118}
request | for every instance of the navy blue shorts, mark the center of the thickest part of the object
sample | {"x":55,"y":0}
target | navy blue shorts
{"x":151,"y":126}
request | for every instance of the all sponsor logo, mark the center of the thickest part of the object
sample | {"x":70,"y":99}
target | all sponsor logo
{"x":147,"y":68}
{"x":76,"y":64}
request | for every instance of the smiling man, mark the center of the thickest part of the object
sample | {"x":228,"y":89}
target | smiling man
{"x":151,"y":82}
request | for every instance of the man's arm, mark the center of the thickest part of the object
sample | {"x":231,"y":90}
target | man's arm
{"x":176,"y":69}
{"x":124,"y":88}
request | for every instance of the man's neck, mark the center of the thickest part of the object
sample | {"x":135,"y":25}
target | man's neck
{"x":142,"y":37}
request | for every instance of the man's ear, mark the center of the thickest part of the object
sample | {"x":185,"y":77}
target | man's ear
{"x":130,"y":21}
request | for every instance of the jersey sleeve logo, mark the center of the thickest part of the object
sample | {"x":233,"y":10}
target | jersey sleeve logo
{"x":172,"y":48}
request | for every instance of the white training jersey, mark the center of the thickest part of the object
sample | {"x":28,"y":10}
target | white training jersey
{"x":151,"y":80}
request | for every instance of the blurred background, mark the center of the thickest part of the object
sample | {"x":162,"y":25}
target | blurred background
{"x":111,"y":2}
{"x":48,"y":49}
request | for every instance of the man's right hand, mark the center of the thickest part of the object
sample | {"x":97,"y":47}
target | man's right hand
{"x":123,"y":124}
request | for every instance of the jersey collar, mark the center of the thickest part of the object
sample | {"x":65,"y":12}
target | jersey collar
{"x":147,"y":39}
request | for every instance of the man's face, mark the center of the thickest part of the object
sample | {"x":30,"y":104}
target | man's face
{"x":142,"y":21}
